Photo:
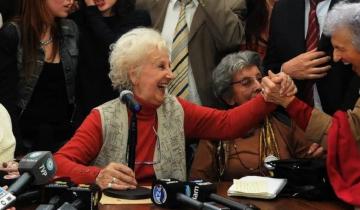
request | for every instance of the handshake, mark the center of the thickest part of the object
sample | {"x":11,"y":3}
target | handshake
{"x":278,"y":88}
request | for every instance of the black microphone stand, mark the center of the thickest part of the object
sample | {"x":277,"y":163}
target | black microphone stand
{"x":139,"y":192}
{"x":132,"y":141}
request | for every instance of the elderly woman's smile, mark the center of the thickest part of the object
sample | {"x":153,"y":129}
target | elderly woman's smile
{"x":153,"y":78}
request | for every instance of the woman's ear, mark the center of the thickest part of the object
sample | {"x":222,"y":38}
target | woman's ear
{"x":133,"y":75}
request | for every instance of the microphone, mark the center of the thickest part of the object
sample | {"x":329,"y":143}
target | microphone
{"x":75,"y":205}
{"x":36,"y":167}
{"x":72,"y":196}
{"x":127,"y":97}
{"x":204,"y":191}
{"x":53,"y":203}
{"x":168,"y":193}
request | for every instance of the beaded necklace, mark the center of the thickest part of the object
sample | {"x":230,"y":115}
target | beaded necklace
{"x":268,"y":150}
{"x":43,"y":43}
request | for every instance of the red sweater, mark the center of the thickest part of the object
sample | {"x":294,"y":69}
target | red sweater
{"x":73,"y":158}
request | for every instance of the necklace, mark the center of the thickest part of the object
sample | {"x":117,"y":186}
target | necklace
{"x":45,"y":42}
{"x":269,"y":149}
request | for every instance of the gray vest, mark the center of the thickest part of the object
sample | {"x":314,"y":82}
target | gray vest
{"x":169,"y":153}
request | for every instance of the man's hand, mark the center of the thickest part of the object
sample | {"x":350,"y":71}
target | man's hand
{"x":315,"y":151}
{"x":308,"y":65}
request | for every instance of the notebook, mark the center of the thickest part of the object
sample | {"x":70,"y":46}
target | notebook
{"x":257,"y":187}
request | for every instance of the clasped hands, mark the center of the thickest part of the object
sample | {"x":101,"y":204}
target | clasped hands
{"x":278,"y":88}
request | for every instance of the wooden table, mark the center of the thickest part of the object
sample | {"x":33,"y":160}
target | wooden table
{"x":277,"y":204}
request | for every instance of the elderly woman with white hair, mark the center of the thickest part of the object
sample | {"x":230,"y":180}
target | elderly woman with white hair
{"x":341,"y":132}
{"x":236,"y":80}
{"x":140,"y":62}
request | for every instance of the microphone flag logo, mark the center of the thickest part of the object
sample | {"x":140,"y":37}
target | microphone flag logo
{"x":159,"y":194}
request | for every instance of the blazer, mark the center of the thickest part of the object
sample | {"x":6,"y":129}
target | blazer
{"x":338,"y":89}
{"x":215,"y":31}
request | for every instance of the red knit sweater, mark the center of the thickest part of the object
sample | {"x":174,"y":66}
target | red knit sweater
{"x":73,"y":158}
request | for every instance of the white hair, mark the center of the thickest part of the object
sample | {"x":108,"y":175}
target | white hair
{"x":344,"y":14}
{"x":130,"y":51}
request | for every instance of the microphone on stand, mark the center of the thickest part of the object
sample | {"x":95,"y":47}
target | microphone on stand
{"x":127,"y":97}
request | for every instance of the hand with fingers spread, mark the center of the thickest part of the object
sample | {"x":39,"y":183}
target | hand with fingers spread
{"x":278,"y":88}
{"x":116,"y":176}
{"x":308,"y":65}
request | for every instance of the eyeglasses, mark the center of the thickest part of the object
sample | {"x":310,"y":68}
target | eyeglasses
{"x":149,"y":163}
{"x":247,"y":81}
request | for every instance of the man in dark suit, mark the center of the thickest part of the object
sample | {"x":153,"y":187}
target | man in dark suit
{"x":215,"y":29}
{"x":336,"y":85}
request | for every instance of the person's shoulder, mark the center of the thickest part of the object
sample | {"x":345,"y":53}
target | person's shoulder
{"x":9,"y":34}
{"x":9,"y":29}
{"x":65,"y":22}
{"x":141,"y":16}
{"x":69,"y":27}
{"x":4,"y":114}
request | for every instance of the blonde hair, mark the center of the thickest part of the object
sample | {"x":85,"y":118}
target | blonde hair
{"x":130,"y":51}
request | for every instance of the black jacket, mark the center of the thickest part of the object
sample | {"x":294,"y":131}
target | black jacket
{"x":338,"y":89}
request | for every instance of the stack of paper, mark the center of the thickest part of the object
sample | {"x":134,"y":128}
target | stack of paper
{"x":257,"y":187}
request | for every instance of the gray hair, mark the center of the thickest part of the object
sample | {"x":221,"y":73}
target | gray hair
{"x":131,"y":50}
{"x":229,"y":65}
{"x":344,"y":14}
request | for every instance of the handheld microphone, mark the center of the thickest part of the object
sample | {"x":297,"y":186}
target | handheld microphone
{"x":127,"y":97}
{"x":36,"y":167}
{"x":169,"y":193}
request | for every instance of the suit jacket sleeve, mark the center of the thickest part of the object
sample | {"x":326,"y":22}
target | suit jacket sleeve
{"x":224,"y":21}
{"x":272,"y":60}
{"x":318,"y":123}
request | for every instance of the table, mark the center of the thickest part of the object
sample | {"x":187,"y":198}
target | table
{"x":277,"y":204}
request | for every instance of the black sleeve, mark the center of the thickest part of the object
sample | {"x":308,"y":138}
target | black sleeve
{"x":103,"y":32}
{"x":272,"y":60}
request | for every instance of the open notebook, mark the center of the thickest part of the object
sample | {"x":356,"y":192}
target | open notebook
{"x":256,"y":187}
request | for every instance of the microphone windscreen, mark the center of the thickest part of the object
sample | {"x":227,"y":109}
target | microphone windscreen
{"x":164,"y":192}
